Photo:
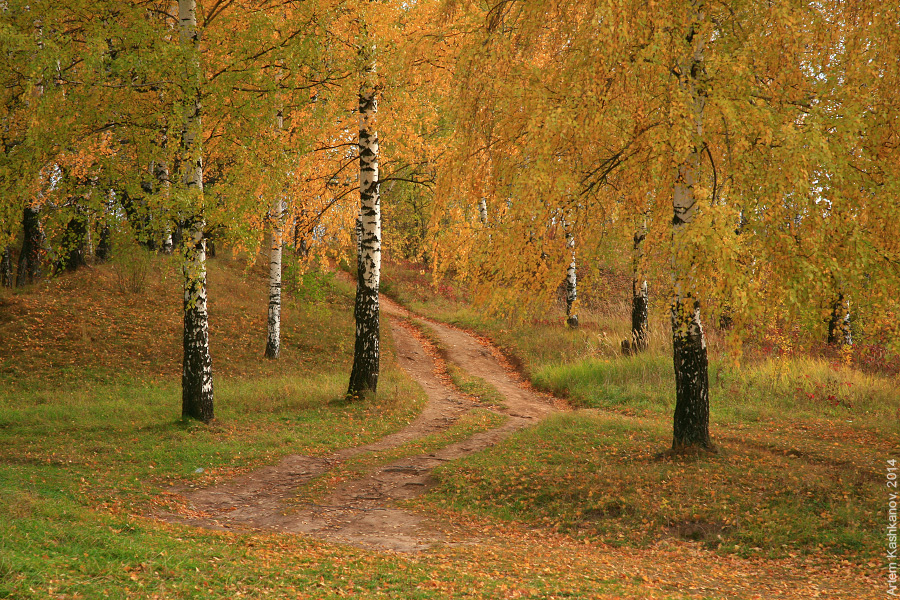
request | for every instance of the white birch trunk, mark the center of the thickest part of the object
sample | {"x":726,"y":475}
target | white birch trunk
{"x":839,"y":330}
{"x":482,"y":210}
{"x":273,"y":340}
{"x":196,"y":375}
{"x":571,"y":278}
{"x":162,"y":175}
{"x":364,"y":376}
{"x":691,"y":419}
{"x":639,"y":292}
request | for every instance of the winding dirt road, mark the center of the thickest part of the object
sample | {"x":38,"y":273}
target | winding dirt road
{"x":363,"y":511}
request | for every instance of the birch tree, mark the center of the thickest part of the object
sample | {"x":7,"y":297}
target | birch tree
{"x":364,"y":375}
{"x":196,"y":373}
{"x":571,"y":277}
{"x":691,"y":421}
{"x":839,"y":331}
{"x":640,"y":302}
{"x":273,"y":339}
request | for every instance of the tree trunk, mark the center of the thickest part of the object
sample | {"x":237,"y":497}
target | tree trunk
{"x":640,"y":326}
{"x":196,"y":374}
{"x":839,"y":332}
{"x":29,"y":268}
{"x":364,"y":376}
{"x":273,"y":341}
{"x":73,"y":242}
{"x":571,"y":278}
{"x":482,"y":210}
{"x":301,"y":244}
{"x":6,"y":276}
{"x":163,"y":179}
{"x":691,"y":419}
{"x":104,"y":246}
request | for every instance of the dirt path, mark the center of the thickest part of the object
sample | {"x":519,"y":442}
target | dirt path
{"x":363,"y":511}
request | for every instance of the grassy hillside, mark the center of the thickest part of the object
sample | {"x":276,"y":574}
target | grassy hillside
{"x":90,"y":428}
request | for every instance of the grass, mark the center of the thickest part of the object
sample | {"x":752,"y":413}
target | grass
{"x":774,"y":389}
{"x":90,"y":435}
{"x":474,"y":386}
{"x":788,"y":427}
{"x":84,"y":449}
{"x":599,"y":477}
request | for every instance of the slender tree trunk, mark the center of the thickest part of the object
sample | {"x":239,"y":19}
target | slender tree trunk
{"x":640,"y":324}
{"x":571,"y":278}
{"x":691,"y":419}
{"x":6,"y":276}
{"x":273,"y":341}
{"x":839,"y":332}
{"x":301,"y":244}
{"x":364,"y":376}
{"x":104,"y":245}
{"x":163,"y":180}
{"x":196,"y":374}
{"x":482,"y":210}
{"x":73,"y":243}
{"x":29,"y":268}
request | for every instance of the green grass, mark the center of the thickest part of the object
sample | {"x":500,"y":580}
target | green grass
{"x":770,"y":390}
{"x":474,"y":386}
{"x":801,"y":442}
{"x":597,"y":475}
{"x":90,"y":434}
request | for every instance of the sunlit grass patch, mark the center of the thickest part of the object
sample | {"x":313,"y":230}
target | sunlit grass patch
{"x":644,"y":382}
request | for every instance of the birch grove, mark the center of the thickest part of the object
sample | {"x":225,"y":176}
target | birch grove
{"x":727,"y":112}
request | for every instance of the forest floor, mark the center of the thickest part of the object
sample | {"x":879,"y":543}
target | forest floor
{"x":368,"y":510}
{"x":458,"y":480}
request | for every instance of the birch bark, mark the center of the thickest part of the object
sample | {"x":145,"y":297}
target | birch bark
{"x":364,"y":375}
{"x":273,"y":340}
{"x":839,"y":332}
{"x":571,"y":278}
{"x":640,"y":327}
{"x":196,"y":374}
{"x":691,"y":419}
